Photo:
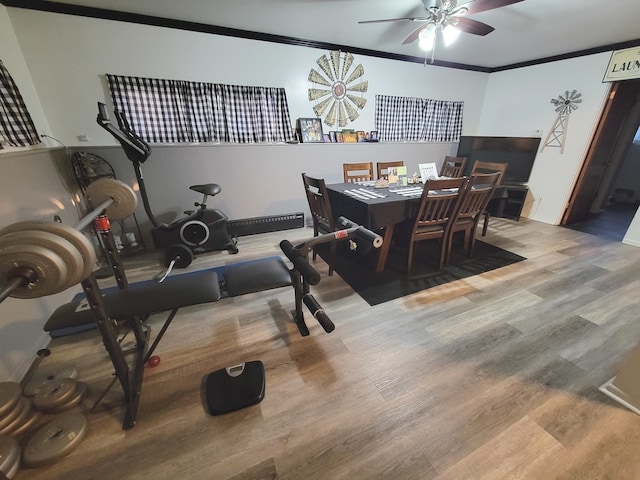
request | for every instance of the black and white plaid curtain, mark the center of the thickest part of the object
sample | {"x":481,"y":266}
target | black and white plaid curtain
{"x":16,"y":126}
{"x":401,"y":119}
{"x":174,"y":111}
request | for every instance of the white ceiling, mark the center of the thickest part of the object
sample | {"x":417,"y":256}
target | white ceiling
{"x":525,"y":31}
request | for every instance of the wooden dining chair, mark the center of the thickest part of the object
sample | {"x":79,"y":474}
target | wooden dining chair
{"x":438,"y":206}
{"x":321,"y":215}
{"x":383,"y":168}
{"x":488,"y":167}
{"x":472,"y":205}
{"x":357,"y":172}
{"x":453,"y":166}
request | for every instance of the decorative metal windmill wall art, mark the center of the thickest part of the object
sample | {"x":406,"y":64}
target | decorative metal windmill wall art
{"x":338,"y":89}
{"x":564,"y":104}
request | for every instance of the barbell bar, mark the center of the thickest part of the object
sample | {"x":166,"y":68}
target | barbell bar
{"x":40,"y":258}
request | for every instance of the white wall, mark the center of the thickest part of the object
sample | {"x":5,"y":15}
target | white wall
{"x":33,"y":186}
{"x":68,"y":57}
{"x":518,"y":103}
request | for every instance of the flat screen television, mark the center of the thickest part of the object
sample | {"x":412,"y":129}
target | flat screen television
{"x":518,"y":153}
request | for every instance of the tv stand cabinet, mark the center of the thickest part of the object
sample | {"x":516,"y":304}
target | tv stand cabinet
{"x":507,"y":201}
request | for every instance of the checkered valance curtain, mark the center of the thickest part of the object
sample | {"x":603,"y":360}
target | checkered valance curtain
{"x":401,"y":119}
{"x":16,"y":126}
{"x":174,"y":111}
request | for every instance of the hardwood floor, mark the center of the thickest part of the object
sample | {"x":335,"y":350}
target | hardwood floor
{"x":492,"y":377}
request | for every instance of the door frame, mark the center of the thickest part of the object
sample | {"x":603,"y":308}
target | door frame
{"x":615,"y":155}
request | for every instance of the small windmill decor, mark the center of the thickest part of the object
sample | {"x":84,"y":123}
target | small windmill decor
{"x":565,"y":104}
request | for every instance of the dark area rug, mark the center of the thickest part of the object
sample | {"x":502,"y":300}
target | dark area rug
{"x":357,"y":269}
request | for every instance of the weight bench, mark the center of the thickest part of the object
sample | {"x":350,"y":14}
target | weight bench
{"x":146,"y":298}
{"x":134,"y":303}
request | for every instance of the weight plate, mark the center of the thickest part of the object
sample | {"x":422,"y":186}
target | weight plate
{"x":81,"y":390}
{"x":56,"y":439}
{"x":124,"y":197}
{"x":53,"y":394}
{"x":69,"y":254}
{"x":8,"y":420}
{"x":70,"y":234}
{"x":49,"y":268}
{"x":9,"y":453}
{"x":10,"y":393}
{"x":28,"y":424}
{"x":179,"y":253}
{"x":22,"y":416}
{"x":41,"y":378}
{"x":12,"y":473}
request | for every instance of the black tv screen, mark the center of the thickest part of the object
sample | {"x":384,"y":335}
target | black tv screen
{"x":518,"y":153}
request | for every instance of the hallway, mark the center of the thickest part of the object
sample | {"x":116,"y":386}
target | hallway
{"x":611,"y":224}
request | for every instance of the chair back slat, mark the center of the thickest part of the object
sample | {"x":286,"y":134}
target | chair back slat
{"x":357,"y":172}
{"x":383,"y":168}
{"x":321,"y":214}
{"x":490,"y":167}
{"x":453,"y":166}
{"x":477,"y":194}
{"x":318,"y":198}
{"x":438,"y":207}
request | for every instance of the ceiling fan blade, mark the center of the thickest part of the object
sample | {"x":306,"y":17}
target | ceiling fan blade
{"x":477,"y":6}
{"x":474,"y":27}
{"x":414,"y":36}
{"x":409,"y":19}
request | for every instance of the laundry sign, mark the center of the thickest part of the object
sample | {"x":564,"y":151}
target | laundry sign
{"x":624,"y":65}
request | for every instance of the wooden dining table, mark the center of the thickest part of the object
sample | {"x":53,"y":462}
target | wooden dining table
{"x":375,"y":208}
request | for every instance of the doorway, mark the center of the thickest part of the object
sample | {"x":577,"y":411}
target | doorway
{"x":607,"y":193}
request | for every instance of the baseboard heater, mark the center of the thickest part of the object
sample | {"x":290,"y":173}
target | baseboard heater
{"x":271,"y":223}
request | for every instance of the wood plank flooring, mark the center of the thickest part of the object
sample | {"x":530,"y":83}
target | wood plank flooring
{"x":492,"y":377}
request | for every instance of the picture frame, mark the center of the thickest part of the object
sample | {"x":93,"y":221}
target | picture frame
{"x":327,"y":138}
{"x":373,"y":136}
{"x":333,"y":137}
{"x":361,"y":136}
{"x":339,"y":137}
{"x":350,"y":137}
{"x":310,"y":130}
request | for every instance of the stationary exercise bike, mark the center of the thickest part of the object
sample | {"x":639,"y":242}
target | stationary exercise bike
{"x":202,"y":230}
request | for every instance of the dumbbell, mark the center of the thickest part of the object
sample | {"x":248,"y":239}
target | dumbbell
{"x":40,"y":258}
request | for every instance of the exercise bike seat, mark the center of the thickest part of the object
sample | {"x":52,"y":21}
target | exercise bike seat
{"x":210,"y":189}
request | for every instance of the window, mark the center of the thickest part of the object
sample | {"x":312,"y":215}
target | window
{"x":175,"y":111}
{"x":400,"y":119}
{"x":16,"y":127}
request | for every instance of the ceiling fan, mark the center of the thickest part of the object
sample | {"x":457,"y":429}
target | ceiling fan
{"x":448,"y":18}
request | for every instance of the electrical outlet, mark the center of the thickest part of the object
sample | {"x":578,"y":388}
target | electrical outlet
{"x":82,"y":138}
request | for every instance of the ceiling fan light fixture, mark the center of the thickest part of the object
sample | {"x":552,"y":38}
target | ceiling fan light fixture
{"x":427,"y":38}
{"x":450,"y":34}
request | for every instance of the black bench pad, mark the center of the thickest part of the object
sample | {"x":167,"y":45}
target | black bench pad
{"x":256,"y":276}
{"x":140,"y":299}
